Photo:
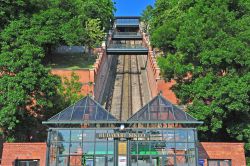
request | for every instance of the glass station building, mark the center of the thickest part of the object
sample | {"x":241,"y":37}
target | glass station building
{"x":160,"y":134}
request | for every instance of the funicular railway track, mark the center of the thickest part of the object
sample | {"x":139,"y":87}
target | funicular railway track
{"x":127,"y":94}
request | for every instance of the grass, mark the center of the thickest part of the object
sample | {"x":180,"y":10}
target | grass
{"x":71,"y":61}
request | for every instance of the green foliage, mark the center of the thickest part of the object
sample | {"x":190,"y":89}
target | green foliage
{"x":146,"y":16}
{"x":206,"y":46}
{"x":30,"y":29}
{"x":11,"y":10}
{"x":248,"y":161}
{"x":71,"y":89}
{"x":93,"y":35}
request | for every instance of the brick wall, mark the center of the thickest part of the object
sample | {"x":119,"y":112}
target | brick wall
{"x":221,"y":150}
{"x":85,"y":77}
{"x":165,"y":88}
{"x":156,"y":83}
{"x":207,"y":150}
{"x":13,"y":151}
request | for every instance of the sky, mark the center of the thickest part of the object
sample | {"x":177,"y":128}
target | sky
{"x":131,"y":7}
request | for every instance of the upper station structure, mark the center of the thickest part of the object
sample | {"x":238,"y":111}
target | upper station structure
{"x":127,"y":37}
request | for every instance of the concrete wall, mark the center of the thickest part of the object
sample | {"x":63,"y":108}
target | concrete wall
{"x":13,"y":151}
{"x":223,"y":150}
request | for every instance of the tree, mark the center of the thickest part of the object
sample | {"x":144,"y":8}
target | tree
{"x":26,"y":89}
{"x":207,"y":51}
{"x":28,"y":92}
{"x":146,"y":17}
{"x":93,"y":35}
{"x":71,"y":89}
{"x":11,"y":10}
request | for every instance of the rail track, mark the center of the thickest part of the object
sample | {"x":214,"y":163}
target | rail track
{"x":127,"y":96}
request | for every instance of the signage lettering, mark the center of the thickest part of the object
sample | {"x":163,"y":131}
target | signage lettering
{"x":122,"y":135}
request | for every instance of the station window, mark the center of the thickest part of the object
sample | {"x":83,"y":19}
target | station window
{"x":218,"y":162}
{"x":27,"y":163}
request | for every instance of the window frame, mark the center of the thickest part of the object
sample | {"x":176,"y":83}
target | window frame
{"x":27,"y":161}
{"x":218,"y":161}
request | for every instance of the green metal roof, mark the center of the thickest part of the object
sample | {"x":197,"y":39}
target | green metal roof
{"x":85,"y":110}
{"x":162,"y":111}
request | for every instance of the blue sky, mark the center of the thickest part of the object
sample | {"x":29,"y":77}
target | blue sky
{"x":131,"y":7}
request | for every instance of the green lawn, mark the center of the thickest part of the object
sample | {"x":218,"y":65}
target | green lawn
{"x":71,"y":61}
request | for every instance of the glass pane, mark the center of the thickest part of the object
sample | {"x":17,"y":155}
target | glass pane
{"x":110,"y":147}
{"x":75,"y":160}
{"x":53,"y":136}
{"x":157,"y":148}
{"x":110,"y":160}
{"x":76,"y":148}
{"x":181,"y":161}
{"x":34,"y":163}
{"x":134,"y":161}
{"x":225,"y":163}
{"x":191,"y":135}
{"x":101,"y":148}
{"x":169,"y":161}
{"x":78,"y":113}
{"x":181,"y":146}
{"x":63,"y":135}
{"x":213,"y":163}
{"x":181,"y":135}
{"x":156,"y":135}
{"x":76,"y":135}
{"x":66,"y":114}
{"x":191,"y":160}
{"x":88,"y":148}
{"x":155,"y":161}
{"x":63,"y":148}
{"x":191,"y":149}
{"x":168,"y":135}
{"x":133,"y":148}
{"x":143,"y":148}
{"x":88,"y":160}
{"x":100,"y":161}
{"x":144,"y":161}
{"x":53,"y":151}
{"x":90,"y":113}
{"x":89,"y":135}
{"x":102,"y":115}
{"x":62,"y":161}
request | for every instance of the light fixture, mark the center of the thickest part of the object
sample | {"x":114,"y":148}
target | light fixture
{"x":122,"y":127}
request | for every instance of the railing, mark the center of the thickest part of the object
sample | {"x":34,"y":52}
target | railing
{"x":126,"y":46}
{"x":127,"y":21}
{"x":127,"y":33}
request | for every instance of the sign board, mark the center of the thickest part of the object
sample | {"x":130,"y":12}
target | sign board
{"x":122,"y":135}
{"x":122,"y":161}
{"x":201,"y":162}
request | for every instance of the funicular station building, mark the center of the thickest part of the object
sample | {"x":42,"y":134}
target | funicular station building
{"x":126,"y":127}
{"x":158,"y":134}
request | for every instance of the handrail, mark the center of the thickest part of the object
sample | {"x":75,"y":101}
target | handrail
{"x":127,"y":21}
{"x":127,"y":33}
{"x":127,"y":46}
